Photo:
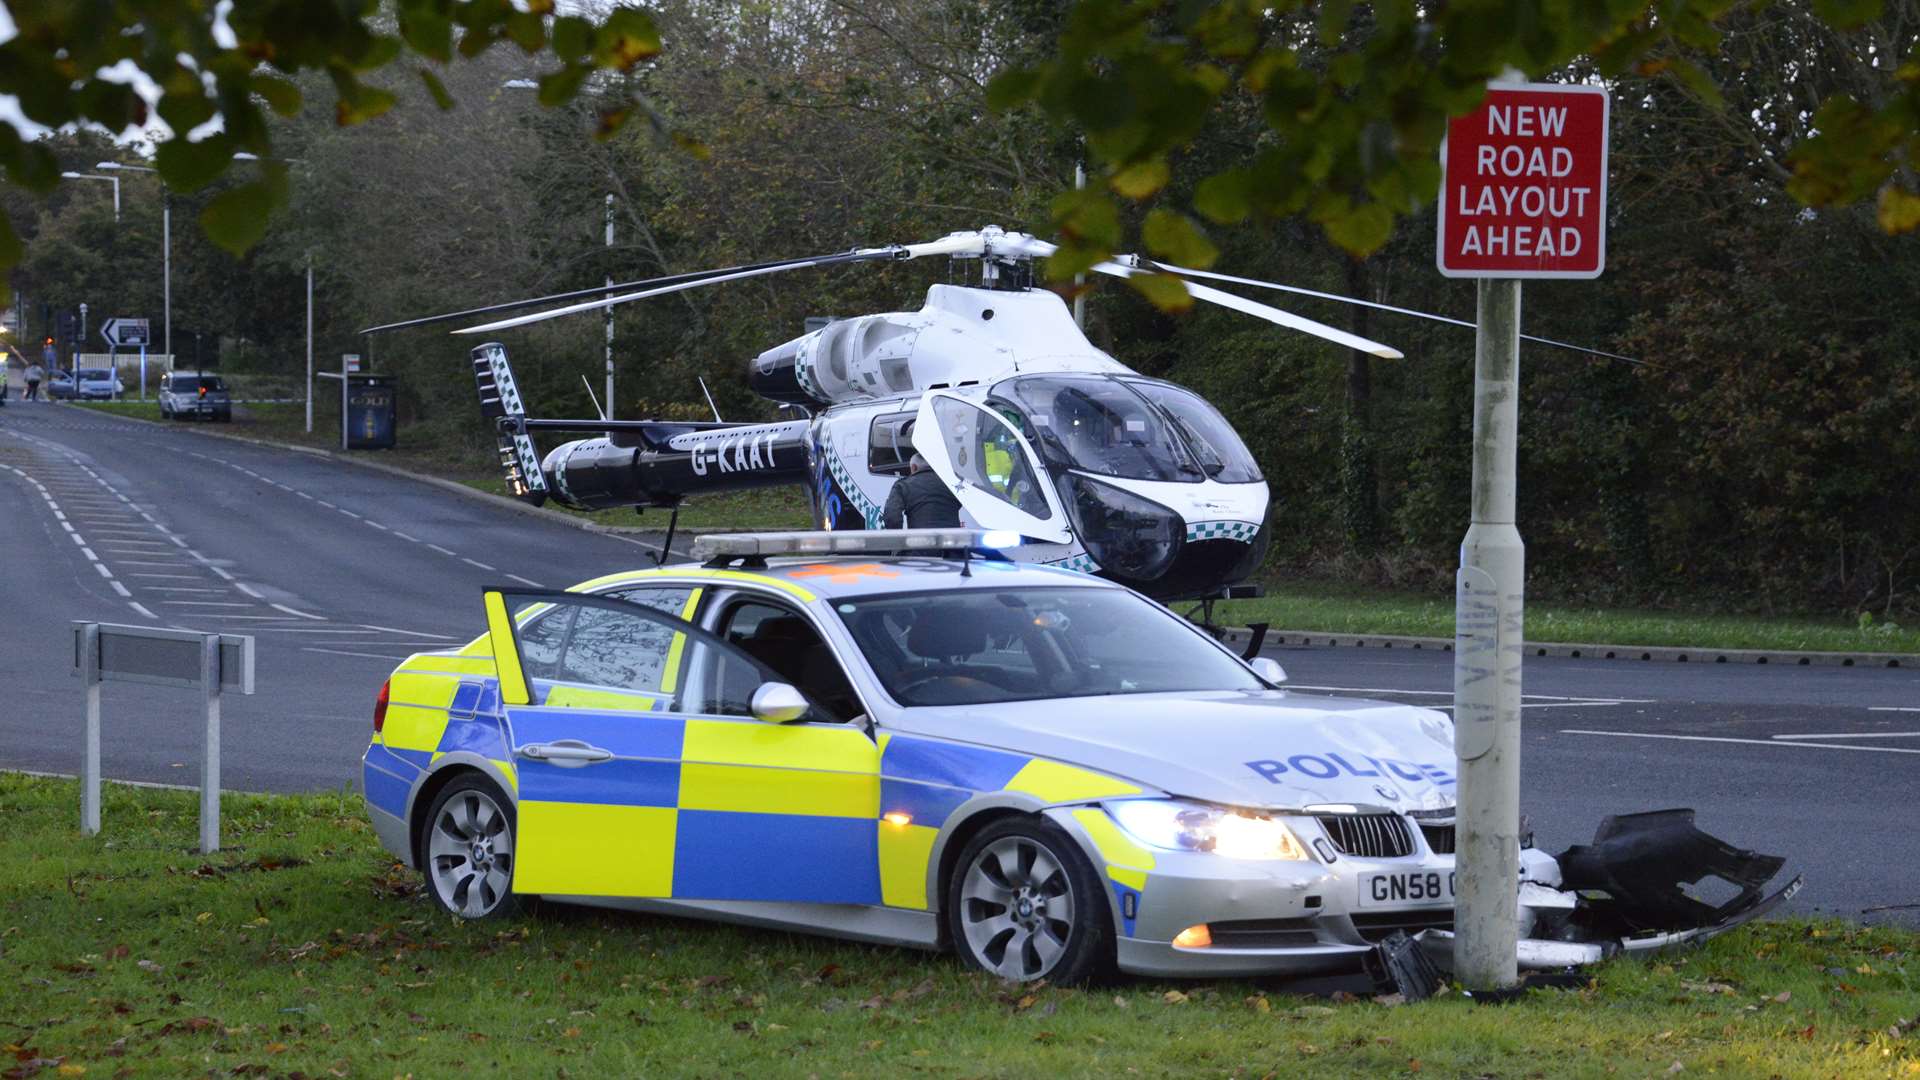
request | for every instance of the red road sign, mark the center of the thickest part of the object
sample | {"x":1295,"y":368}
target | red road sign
{"x":1523,"y":188}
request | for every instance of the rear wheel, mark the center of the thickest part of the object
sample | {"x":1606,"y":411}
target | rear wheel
{"x":468,"y":851}
{"x":1025,"y":904}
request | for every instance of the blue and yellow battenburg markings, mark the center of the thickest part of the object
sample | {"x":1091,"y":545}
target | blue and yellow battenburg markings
{"x":712,"y":808}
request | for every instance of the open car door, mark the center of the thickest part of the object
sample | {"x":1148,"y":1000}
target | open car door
{"x":989,"y":467}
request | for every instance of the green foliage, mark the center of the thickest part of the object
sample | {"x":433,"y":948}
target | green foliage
{"x":57,"y":65}
{"x":1354,"y":100}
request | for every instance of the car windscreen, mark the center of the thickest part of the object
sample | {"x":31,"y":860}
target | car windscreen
{"x":94,"y":373}
{"x":1098,"y":425}
{"x":984,"y":646}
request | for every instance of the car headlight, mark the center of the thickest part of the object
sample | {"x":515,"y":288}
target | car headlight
{"x":1185,"y":826}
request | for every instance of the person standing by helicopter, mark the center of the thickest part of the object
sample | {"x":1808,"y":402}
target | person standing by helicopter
{"x":920,"y":500}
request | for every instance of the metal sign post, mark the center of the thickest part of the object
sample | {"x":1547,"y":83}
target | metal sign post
{"x":1523,"y":195}
{"x":145,"y":654}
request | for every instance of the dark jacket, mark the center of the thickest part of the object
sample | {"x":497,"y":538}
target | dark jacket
{"x":921,"y":501}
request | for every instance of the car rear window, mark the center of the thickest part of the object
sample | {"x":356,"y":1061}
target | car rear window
{"x":95,"y":373}
{"x":188,"y":384}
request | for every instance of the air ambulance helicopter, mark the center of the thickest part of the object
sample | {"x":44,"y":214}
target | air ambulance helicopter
{"x":1081,"y":461}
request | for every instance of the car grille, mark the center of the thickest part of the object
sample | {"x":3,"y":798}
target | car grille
{"x":1439,"y":838}
{"x":1378,"y":927}
{"x":1369,"y":836}
{"x":1263,"y":934}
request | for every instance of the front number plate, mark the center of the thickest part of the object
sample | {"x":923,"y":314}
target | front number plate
{"x":1407,"y":888}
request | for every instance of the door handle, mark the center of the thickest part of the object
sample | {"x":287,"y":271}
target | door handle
{"x":568,"y":752}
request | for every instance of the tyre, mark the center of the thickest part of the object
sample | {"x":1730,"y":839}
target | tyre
{"x":467,"y":854}
{"x":1024,"y":904}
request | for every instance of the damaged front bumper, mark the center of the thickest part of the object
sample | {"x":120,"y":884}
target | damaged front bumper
{"x":1635,"y":889}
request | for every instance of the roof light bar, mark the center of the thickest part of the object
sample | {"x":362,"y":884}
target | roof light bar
{"x":849,"y":542}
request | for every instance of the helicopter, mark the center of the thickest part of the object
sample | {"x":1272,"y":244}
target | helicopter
{"x":1082,"y":462}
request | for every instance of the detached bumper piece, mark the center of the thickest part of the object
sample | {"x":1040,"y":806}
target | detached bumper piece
{"x":1628,"y":892}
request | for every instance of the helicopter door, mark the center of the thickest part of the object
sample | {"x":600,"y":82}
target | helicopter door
{"x":992,"y":470}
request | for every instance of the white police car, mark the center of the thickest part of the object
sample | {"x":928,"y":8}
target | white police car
{"x":1042,"y":770}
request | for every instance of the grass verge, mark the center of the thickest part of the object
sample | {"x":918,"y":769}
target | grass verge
{"x":1344,"y":609}
{"x":301,"y":949}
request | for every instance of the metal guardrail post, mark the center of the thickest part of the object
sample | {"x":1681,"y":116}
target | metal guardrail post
{"x":90,"y":770}
{"x":161,"y":657}
{"x":210,"y":747}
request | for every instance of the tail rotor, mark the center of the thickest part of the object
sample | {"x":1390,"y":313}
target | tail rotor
{"x":500,"y":403}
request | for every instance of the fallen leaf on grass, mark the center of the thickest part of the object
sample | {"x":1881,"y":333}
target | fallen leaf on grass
{"x":276,"y":1048}
{"x":1259,"y":1003}
{"x":1390,"y":1000}
{"x":148,"y":965}
{"x":1121,"y":1002}
{"x":1707,"y":987}
{"x":1782,"y":997}
{"x":1174,"y":997}
{"x":1676,"y":1067}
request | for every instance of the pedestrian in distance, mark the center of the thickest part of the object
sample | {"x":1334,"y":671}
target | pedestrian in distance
{"x":920,"y":500}
{"x":34,"y":374}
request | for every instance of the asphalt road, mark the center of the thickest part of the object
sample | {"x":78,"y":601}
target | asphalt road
{"x":340,"y":571}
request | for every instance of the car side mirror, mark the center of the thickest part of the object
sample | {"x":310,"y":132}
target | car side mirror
{"x":1268,"y":669}
{"x":777,"y":703}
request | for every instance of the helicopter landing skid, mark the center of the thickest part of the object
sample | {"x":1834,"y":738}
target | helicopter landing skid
{"x":1257,"y":632}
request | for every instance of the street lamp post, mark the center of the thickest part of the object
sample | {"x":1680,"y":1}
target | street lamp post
{"x":114,"y":180}
{"x":166,"y":253}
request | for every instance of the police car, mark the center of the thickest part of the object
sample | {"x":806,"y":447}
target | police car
{"x":1043,"y":771}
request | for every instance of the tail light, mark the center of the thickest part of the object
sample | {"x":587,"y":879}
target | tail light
{"x":203,"y":391}
{"x":380,"y":707}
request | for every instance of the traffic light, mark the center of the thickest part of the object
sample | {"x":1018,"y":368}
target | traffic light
{"x":69,"y":329}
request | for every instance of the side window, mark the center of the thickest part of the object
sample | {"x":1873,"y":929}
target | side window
{"x":986,"y":453}
{"x":541,"y":636}
{"x":786,"y":644}
{"x":889,"y":447}
{"x":617,"y":650}
{"x":675,"y":600}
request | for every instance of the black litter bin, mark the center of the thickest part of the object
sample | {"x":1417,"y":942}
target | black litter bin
{"x":370,"y":412}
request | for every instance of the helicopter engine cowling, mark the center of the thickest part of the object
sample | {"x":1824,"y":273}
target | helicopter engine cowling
{"x":674,"y":461}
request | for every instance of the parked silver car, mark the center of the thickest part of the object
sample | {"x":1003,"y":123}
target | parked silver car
{"x":187,"y":394}
{"x":98,"y":384}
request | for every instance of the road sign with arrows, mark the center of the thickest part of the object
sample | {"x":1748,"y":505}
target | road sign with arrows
{"x":126,"y":333}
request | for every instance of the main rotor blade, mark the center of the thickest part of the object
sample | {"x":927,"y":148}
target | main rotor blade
{"x":955,"y":243}
{"x":1263,"y":311}
{"x":952,"y":244}
{"x":597,"y":290}
{"x":1258,"y":284}
{"x":864,"y":255}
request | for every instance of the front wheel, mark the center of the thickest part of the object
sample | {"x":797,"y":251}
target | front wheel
{"x":468,"y":851}
{"x":1025,"y":904}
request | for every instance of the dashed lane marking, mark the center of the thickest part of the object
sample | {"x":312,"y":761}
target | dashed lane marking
{"x":526,"y":581}
{"x":475,"y":562}
{"x":1748,"y":742}
{"x":1854,"y":735}
{"x":136,"y":605}
{"x":296,"y":611}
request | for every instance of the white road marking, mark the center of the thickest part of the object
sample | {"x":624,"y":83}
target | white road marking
{"x":410,"y":633}
{"x":326,"y":504}
{"x":1893,"y":708}
{"x":124,"y":592}
{"x":176,"y":564}
{"x":526,"y":581}
{"x":224,"y":576}
{"x":91,"y":557}
{"x":184,"y":588}
{"x":1449,"y":693}
{"x":75,"y":537}
{"x":1856,"y":735}
{"x":303,"y":495}
{"x":249,"y":590}
{"x":350,"y":514}
{"x":404,"y":536}
{"x":136,"y":605}
{"x":444,"y":551}
{"x":295,"y":611}
{"x":108,"y":779}
{"x":104,"y":572}
{"x":345,"y":652}
{"x":475,"y":562}
{"x":376,"y":524}
{"x":205,"y":603}
{"x":173,"y":577}
{"x":1749,"y":742}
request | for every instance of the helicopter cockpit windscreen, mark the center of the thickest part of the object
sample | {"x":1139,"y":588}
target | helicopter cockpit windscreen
{"x":1133,"y":429}
{"x":1100,"y":426}
{"x":1207,"y":434}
